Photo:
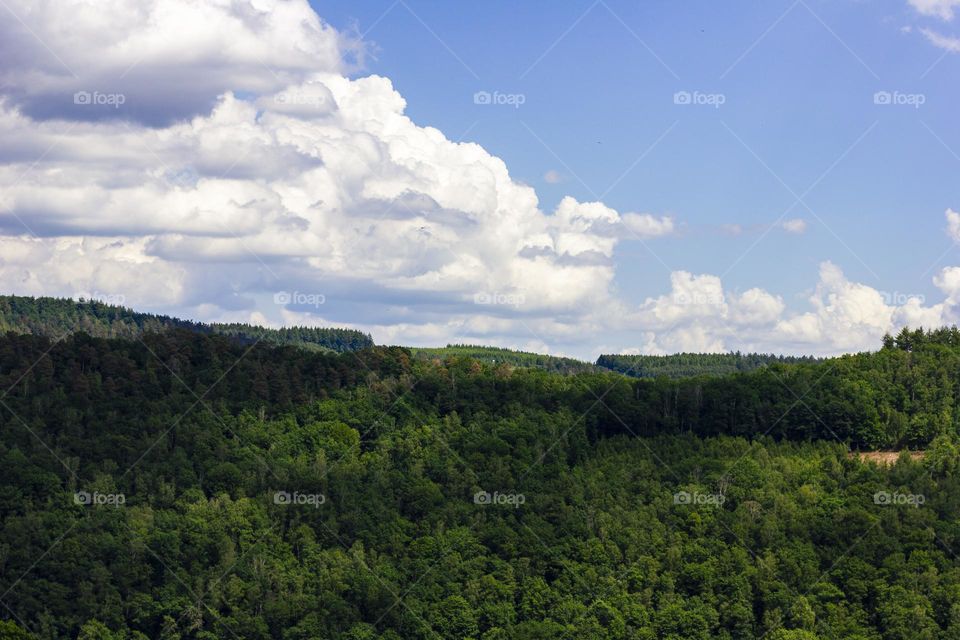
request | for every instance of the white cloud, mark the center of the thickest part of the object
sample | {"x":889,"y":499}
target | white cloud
{"x":953,"y":224}
{"x":699,"y":314}
{"x":948,"y":281}
{"x":114,"y":270}
{"x":691,"y":297}
{"x":645,"y":225}
{"x":796,"y":225}
{"x":169,"y":58}
{"x":845,"y":313}
{"x":942,"y":9}
{"x":947,"y":43}
{"x":756,"y":307}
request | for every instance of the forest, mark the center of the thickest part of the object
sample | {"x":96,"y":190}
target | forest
{"x":56,"y":317}
{"x":184,"y":485}
{"x":684,"y":365}
{"x":496,"y":355}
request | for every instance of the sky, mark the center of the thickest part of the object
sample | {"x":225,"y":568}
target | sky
{"x":573,"y":178}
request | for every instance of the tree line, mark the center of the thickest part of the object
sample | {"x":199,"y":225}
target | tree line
{"x":685,"y":365}
{"x":56,"y":317}
{"x":497,"y":355}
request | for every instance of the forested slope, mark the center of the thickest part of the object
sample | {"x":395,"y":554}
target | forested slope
{"x":685,"y":365}
{"x":55,"y":317}
{"x":496,"y":355}
{"x":900,"y":396}
{"x":189,"y":486}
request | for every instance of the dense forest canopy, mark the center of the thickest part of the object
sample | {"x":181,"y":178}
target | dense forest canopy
{"x":496,"y":355}
{"x":185,"y":485}
{"x":55,"y":317}
{"x":684,"y":365}
{"x":681,"y":365}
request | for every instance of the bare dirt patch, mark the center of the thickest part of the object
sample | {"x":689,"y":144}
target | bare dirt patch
{"x":884,"y":457}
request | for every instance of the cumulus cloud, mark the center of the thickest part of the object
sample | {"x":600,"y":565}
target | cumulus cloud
{"x":647,"y":226}
{"x":699,"y":314}
{"x":113,"y":270}
{"x":756,"y":308}
{"x":169,"y":59}
{"x":845,"y":312}
{"x":243,"y":161}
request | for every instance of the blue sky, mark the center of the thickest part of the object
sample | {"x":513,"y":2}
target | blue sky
{"x":798,"y":79}
{"x":574,"y":178}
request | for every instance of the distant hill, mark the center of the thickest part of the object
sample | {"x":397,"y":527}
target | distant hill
{"x":54,"y":317}
{"x":681,"y":365}
{"x":496,"y":355}
{"x":686,"y":365}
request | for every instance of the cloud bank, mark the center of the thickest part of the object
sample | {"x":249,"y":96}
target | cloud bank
{"x":198,"y":157}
